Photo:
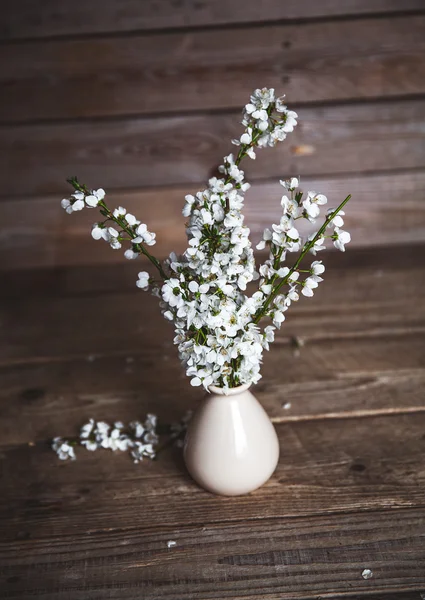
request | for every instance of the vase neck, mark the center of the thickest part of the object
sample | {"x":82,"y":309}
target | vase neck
{"x":229,"y":391}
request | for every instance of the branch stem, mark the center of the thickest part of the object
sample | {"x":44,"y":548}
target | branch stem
{"x":307,"y":247}
{"x":139,"y":247}
{"x":122,"y":223}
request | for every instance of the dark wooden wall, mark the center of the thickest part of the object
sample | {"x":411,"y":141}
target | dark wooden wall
{"x":142,"y":98}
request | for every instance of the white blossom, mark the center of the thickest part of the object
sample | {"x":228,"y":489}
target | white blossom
{"x":93,"y":199}
{"x":137,"y":428}
{"x":318,"y":244}
{"x":291,"y":121}
{"x":87,"y":429}
{"x":341,"y":238}
{"x":268,"y":336}
{"x":91,"y":445}
{"x":317,"y":267}
{"x":97,"y":232}
{"x":246,"y":138}
{"x":251,"y":153}
{"x":140,"y":439}
{"x":67,"y":205}
{"x":204,"y":291}
{"x":290,"y":184}
{"x":278,"y":318}
{"x":131,"y":219}
{"x":188,"y":207}
{"x":290,"y":207}
{"x":312,"y":205}
{"x":88,"y":437}
{"x":309,"y":285}
{"x":141,"y":451}
{"x":63,"y":449}
{"x":118,"y":440}
{"x":144,"y":236}
{"x":119,"y":212}
{"x":143,"y":280}
{"x":130,"y":254}
{"x":337,"y":221}
{"x":77,"y":205}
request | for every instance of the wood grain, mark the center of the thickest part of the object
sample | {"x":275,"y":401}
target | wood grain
{"x":385,"y":209}
{"x":362,"y":58}
{"x":52,"y":396}
{"x":35,"y":19}
{"x":63,"y":360}
{"x":136,"y":153}
{"x":368,"y":265}
{"x":296,"y":558}
{"x":351,"y":303}
{"x":134,"y":96}
{"x":46,"y":330}
{"x":288,"y":558}
{"x":80,"y":528}
{"x":348,"y":492}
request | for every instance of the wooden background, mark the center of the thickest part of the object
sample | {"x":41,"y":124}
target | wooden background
{"x":142,"y":97}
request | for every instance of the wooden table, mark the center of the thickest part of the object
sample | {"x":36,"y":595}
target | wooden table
{"x":349,"y":407}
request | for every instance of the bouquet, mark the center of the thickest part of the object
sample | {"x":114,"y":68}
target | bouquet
{"x":218,"y":326}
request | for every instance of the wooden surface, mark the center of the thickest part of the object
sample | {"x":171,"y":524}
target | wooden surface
{"x":349,"y":491}
{"x":50,"y":18}
{"x":142,"y":98}
{"x":388,"y":208}
{"x":148,"y":116}
{"x":212,"y":69}
{"x":143,"y":152}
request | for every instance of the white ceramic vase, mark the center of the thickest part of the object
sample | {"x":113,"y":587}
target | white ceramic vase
{"x":231,"y":446}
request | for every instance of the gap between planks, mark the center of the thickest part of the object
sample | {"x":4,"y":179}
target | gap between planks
{"x":357,"y":414}
{"x":218,"y":26}
{"x":372,"y":333}
{"x":286,"y":341}
{"x":403,"y":37}
{"x":346,"y":414}
{"x":209,"y":525}
{"x":225,"y":111}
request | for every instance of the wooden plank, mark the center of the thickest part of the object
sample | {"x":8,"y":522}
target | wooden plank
{"x":29,"y":19}
{"x":38,"y":233}
{"x":371,"y":263}
{"x":63,"y":357}
{"x":288,"y":559}
{"x":46,"y":329}
{"x":329,"y":465}
{"x":186,"y":150}
{"x":340,"y":60}
{"x":332,"y":508}
{"x":285,"y":558}
{"x":382,"y":375}
{"x":350,"y":303}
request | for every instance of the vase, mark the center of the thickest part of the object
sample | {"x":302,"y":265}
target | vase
{"x":231,"y":446}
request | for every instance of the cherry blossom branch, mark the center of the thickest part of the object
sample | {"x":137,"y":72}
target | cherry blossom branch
{"x":120,"y":220}
{"x":138,"y":247}
{"x":203,"y":289}
{"x":307,"y":247}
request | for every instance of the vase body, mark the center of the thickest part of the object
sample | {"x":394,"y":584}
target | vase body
{"x":231,"y":446}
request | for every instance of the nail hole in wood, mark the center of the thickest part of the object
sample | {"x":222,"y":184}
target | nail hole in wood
{"x":32,"y":394}
{"x":358,"y":467}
